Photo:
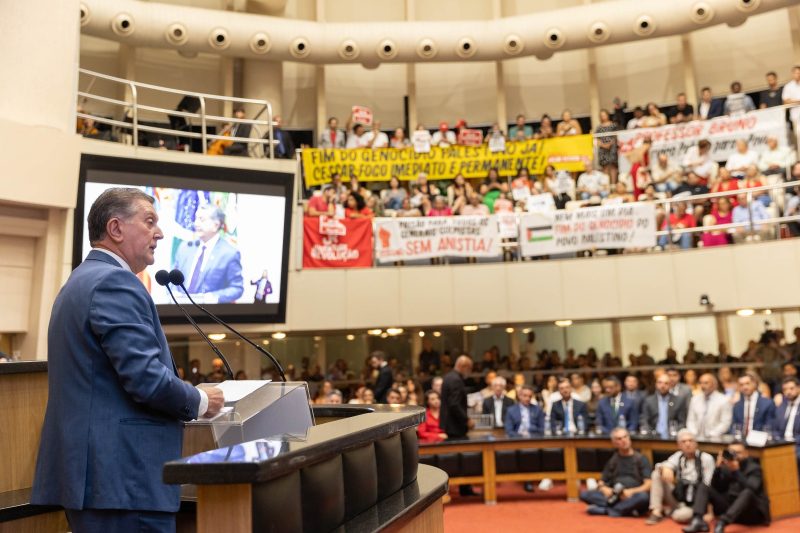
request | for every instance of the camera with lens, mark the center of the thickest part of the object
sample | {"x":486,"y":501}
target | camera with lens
{"x":614,"y":498}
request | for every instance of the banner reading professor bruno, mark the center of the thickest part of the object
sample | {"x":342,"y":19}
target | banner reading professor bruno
{"x":565,"y":153}
{"x":607,"y":227}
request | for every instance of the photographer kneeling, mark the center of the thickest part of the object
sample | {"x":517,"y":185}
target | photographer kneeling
{"x":624,"y":487}
{"x":675,"y":481}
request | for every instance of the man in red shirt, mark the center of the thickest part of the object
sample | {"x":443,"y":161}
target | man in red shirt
{"x":321,"y":204}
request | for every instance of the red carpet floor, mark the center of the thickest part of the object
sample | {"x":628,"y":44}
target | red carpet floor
{"x":518,"y":510}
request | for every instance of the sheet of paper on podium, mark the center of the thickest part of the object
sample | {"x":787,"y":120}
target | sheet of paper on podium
{"x":236,"y":390}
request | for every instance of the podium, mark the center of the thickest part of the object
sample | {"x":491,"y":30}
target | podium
{"x":254,"y":409}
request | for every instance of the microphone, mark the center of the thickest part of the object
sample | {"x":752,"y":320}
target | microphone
{"x":176,"y":277}
{"x":162,"y":278}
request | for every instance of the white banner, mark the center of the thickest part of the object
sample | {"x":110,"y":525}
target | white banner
{"x":398,"y":239}
{"x":615,"y":226}
{"x":723,"y":132}
{"x":507,"y":226}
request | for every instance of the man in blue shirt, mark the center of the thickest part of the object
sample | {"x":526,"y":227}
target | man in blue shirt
{"x":742,"y":213}
{"x":524,"y":418}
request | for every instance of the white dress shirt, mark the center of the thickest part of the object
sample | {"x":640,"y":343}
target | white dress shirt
{"x":792,"y":410}
{"x":203,"y":406}
{"x":709,"y":416}
{"x":498,"y":411}
{"x":751,"y":410}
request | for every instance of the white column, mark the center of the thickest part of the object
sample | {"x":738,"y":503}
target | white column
{"x":502,"y":108}
{"x":594,"y":90}
{"x":411,"y":79}
{"x":322,"y":102}
{"x":264,"y":80}
{"x":794,"y":24}
{"x":689,"y":78}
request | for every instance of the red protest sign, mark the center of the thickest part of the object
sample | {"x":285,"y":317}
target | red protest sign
{"x":337,"y":242}
{"x":470,"y":137}
{"x":362,"y":115}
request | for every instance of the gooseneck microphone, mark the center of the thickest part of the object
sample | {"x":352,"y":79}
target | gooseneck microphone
{"x":162,"y":278}
{"x":176,"y":277}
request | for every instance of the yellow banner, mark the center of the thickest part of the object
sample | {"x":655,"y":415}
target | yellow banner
{"x":565,"y":153}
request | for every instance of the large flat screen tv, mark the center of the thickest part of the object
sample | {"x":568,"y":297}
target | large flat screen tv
{"x":226,"y":229}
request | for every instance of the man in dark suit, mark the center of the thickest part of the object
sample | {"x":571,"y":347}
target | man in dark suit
{"x":211,"y":265}
{"x":115,"y":402}
{"x":453,"y":417}
{"x":524,"y":418}
{"x":284,"y":149}
{"x":736,"y":492}
{"x":239,"y":130}
{"x":752,"y":411}
{"x":498,"y":403}
{"x":709,"y":107}
{"x":787,"y":416}
{"x":613,"y":405}
{"x":663,"y":409}
{"x":385,"y":377}
{"x":568,"y":413}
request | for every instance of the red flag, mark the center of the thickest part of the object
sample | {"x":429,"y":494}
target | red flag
{"x":337,"y":242}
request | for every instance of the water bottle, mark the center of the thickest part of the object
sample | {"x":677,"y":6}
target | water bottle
{"x":547,"y":431}
{"x":621,"y":421}
{"x":581,"y":424}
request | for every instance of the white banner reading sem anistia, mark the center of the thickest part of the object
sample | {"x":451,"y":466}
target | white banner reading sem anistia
{"x":398,"y":239}
{"x":606,"y":227}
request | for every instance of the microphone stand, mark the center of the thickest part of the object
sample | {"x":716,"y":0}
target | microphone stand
{"x":202,"y":334}
{"x":213,"y":317}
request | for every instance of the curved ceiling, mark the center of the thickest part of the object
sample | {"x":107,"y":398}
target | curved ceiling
{"x":191,"y":30}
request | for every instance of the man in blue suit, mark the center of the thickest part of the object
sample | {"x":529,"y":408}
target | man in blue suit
{"x":211,"y":265}
{"x":115,"y":402}
{"x":787,"y":416}
{"x":613,"y":405}
{"x":752,"y":411}
{"x":567,"y":412}
{"x":524,"y":418}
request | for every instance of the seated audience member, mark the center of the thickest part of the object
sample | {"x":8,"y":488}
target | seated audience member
{"x":568,"y":414}
{"x":488,"y":390}
{"x":520,"y":131}
{"x":709,"y":107}
{"x":498,"y":403}
{"x":399,"y":139}
{"x":753,"y":179}
{"x":568,"y":125}
{"x":624,"y":488}
{"x":698,"y":160}
{"x":721,"y":213}
{"x":443,"y":137}
{"x":425,"y":188}
{"x":406,"y":210}
{"x":502,"y":204}
{"x":357,"y":137}
{"x":436,"y":384}
{"x":621,"y":192}
{"x":613,"y":410}
{"x":787,"y":416}
{"x":752,"y":411}
{"x":743,"y":213}
{"x":771,"y":96}
{"x":737,"y":102}
{"x":665,"y":174}
{"x":475,"y":206}
{"x":332,"y":137}
{"x":632,"y":392}
{"x":323,"y":391}
{"x":546,"y":130}
{"x":218,"y":373}
{"x":357,"y":207}
{"x":683,"y":112}
{"x":593,"y":183}
{"x":368,"y":397}
{"x":741,"y":159}
{"x":430,"y":431}
{"x":238,"y":148}
{"x":654,"y":117}
{"x":439,"y":208}
{"x":776,"y":159}
{"x":430,"y":360}
{"x":736,"y":492}
{"x":676,"y":480}
{"x":725,"y":183}
{"x":678,"y":219}
{"x":524,"y":418}
{"x":579,"y":388}
{"x":663,"y":411}
{"x":321,"y":204}
{"x":394,"y":397}
{"x":393,"y":196}
{"x":334,"y":397}
{"x":690,"y":376}
{"x":636,"y":121}
{"x":459,"y":189}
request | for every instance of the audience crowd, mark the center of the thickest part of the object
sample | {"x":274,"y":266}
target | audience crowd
{"x":647,"y":181}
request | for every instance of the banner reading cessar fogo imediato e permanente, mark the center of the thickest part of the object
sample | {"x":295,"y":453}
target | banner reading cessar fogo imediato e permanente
{"x":399,"y":239}
{"x":606,"y":227}
{"x":723,"y":132}
{"x":565,"y":153}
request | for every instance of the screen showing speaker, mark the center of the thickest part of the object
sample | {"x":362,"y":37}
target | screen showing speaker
{"x":227,"y":230}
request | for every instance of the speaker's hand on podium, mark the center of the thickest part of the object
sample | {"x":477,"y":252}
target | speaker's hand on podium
{"x":216,"y":401}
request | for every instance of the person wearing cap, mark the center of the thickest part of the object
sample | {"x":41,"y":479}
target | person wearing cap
{"x":444,"y":138}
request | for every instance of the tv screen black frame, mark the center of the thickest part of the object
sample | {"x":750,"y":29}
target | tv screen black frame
{"x":148,"y":172}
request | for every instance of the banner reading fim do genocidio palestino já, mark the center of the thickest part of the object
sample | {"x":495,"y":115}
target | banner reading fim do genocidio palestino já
{"x":565,"y":153}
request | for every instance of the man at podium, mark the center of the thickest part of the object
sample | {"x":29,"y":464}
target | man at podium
{"x":115,"y":399}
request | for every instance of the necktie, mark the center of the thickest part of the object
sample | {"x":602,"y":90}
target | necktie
{"x":615,"y":409}
{"x":566,"y":417}
{"x":198,"y":267}
{"x":746,"y":427}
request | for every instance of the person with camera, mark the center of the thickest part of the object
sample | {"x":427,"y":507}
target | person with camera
{"x":675,"y":481}
{"x":624,"y":488}
{"x":736,"y":492}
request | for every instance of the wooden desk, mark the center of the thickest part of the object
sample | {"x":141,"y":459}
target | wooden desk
{"x":777,"y":461}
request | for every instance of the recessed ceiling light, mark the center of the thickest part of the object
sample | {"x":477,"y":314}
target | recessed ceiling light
{"x":745,"y":312}
{"x":216,"y":336}
{"x":563,"y":323}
